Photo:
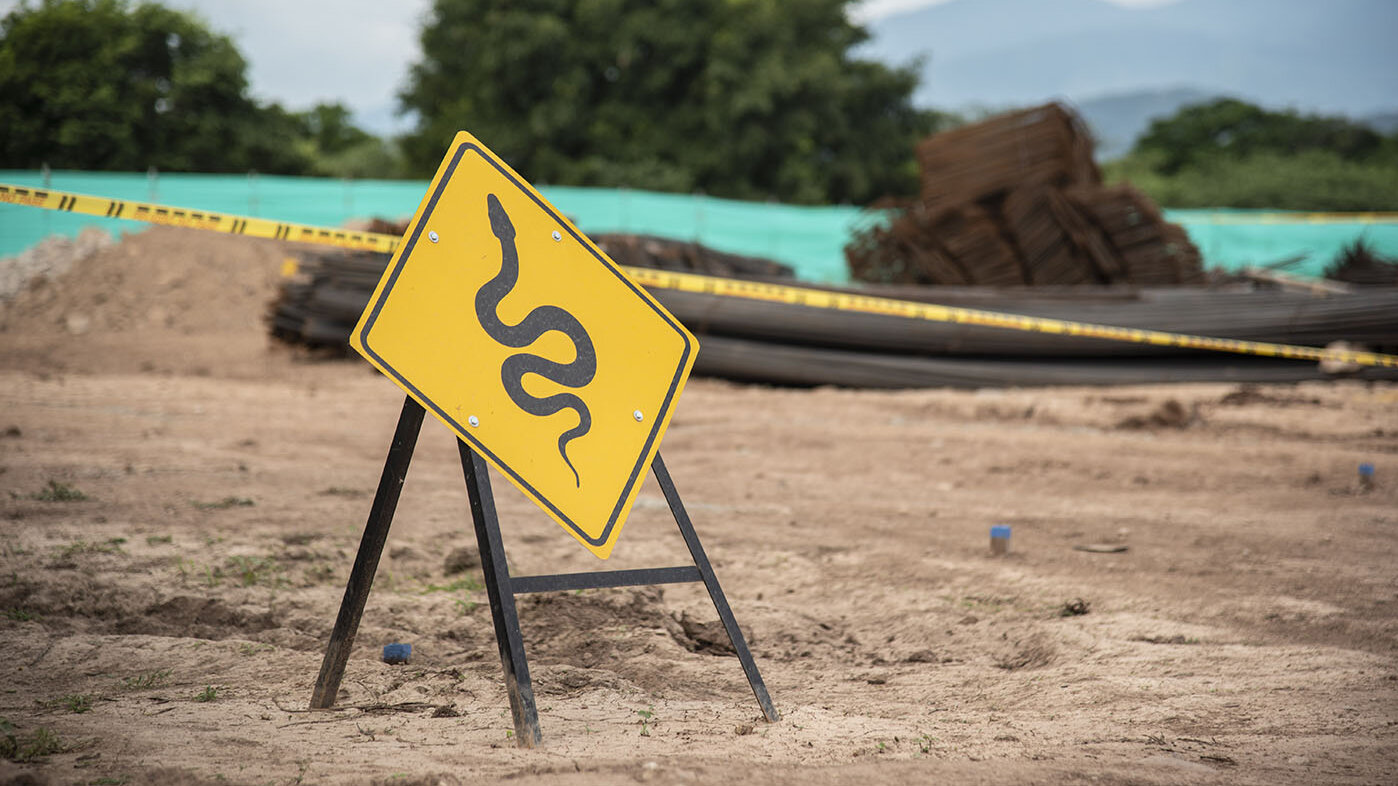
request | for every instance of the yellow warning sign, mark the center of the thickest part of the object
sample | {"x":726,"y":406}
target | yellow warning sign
{"x":509,"y":325}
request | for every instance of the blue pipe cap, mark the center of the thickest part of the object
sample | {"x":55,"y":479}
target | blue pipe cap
{"x":1366,"y":470}
{"x":1000,"y":531}
{"x":397,"y":653}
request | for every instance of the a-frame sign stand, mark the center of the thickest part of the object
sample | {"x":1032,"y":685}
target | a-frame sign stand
{"x":501,"y":587}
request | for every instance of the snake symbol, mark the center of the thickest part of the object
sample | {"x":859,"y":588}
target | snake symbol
{"x":534,"y":325}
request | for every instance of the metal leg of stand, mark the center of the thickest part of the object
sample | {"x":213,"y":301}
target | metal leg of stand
{"x":701,"y":560}
{"x":361,"y":579}
{"x":502,"y":598}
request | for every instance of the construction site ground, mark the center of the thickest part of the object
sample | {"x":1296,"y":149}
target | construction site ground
{"x":168,"y":627}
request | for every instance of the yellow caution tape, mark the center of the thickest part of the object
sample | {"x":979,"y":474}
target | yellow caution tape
{"x":867,"y":304}
{"x":689,"y":282}
{"x":1369,"y":217}
{"x":195,"y":219}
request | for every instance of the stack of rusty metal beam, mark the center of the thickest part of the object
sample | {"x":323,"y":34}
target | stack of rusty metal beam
{"x":950,"y":245}
{"x":1018,"y":200}
{"x":665,"y":254}
{"x":320,"y":302}
{"x":1046,"y":145}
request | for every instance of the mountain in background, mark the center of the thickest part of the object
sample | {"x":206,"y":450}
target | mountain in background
{"x":1117,"y":120}
{"x":1123,"y":66}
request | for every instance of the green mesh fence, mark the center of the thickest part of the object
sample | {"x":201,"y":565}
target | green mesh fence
{"x":811,"y":239}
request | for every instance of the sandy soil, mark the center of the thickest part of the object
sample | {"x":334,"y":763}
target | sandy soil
{"x":168,"y":627}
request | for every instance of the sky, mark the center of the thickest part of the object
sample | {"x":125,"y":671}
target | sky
{"x":358,"y":52}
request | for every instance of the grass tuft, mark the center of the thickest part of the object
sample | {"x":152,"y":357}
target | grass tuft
{"x":60,"y":492}
{"x":226,"y":503}
{"x":27,"y":748}
{"x":151,"y":679}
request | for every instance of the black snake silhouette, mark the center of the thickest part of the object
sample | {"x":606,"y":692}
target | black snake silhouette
{"x":534,"y":325}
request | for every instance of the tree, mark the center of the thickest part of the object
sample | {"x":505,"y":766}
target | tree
{"x":99,"y":84}
{"x":1232,"y":129}
{"x":739,"y":98}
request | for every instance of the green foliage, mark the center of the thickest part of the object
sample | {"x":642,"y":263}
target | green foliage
{"x":1314,"y":180}
{"x":1230,"y":154}
{"x":107,"y":85}
{"x":338,"y":148}
{"x":1232,"y":129}
{"x":101,"y":85}
{"x":750,"y":99}
{"x":209,"y":693}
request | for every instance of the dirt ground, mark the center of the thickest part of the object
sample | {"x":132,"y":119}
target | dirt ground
{"x":167,"y":626}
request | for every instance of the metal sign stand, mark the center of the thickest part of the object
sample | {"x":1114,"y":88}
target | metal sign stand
{"x":501,"y":587}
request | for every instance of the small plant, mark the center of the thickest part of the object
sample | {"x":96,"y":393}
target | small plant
{"x":226,"y":503}
{"x":159,"y":540}
{"x":59,"y":492}
{"x":255,"y":570}
{"x":16,"y":747}
{"x":77,"y":703}
{"x":467,"y":584}
{"x":209,"y":693}
{"x":21,"y":615}
{"x":341,"y":491}
{"x":646,"y":715}
{"x":109,"y":546}
{"x":465,"y":607}
{"x":151,"y":679}
{"x":320,"y":574}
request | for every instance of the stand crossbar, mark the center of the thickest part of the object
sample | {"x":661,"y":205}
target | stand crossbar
{"x":562,"y":582}
{"x":501,"y":588}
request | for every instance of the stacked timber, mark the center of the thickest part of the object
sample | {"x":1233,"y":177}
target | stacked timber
{"x":1017,"y":200}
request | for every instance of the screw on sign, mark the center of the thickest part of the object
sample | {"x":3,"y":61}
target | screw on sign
{"x":514,"y":330}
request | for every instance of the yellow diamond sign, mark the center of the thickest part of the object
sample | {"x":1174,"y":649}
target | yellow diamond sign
{"x":513,"y":329}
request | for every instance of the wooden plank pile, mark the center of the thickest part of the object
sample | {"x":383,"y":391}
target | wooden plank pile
{"x":1018,"y":200}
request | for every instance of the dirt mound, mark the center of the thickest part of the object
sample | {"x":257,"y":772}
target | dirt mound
{"x":161,"y":280}
{"x":144,"y":304}
{"x":48,"y":260}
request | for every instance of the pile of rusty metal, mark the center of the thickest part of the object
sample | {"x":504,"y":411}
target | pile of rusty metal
{"x":664,"y":254}
{"x":325,"y":291}
{"x":1017,"y":200}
